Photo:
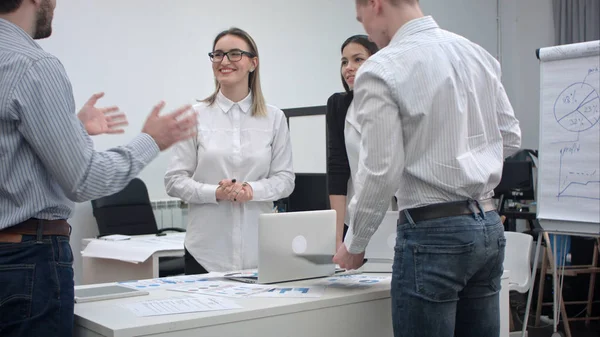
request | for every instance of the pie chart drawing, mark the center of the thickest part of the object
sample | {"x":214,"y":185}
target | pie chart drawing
{"x":577,"y":108}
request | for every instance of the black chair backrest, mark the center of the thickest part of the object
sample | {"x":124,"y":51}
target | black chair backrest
{"x":127,"y":212}
{"x":310,"y":193}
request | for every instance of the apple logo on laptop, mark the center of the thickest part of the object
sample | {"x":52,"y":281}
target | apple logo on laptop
{"x":299,"y":244}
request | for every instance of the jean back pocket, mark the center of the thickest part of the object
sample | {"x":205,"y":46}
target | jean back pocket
{"x":440,"y":271}
{"x":16,"y":292}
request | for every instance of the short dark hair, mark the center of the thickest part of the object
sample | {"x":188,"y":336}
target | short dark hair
{"x":9,"y":6}
{"x":362,"y":40}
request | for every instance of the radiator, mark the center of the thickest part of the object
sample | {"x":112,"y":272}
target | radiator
{"x":170,"y":213}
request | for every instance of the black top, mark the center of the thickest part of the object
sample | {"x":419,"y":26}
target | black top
{"x":338,"y":168}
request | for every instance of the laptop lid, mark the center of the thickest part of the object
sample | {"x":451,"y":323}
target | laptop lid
{"x":282,"y":237}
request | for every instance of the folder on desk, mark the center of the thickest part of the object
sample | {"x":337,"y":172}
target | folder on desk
{"x":108,"y":292}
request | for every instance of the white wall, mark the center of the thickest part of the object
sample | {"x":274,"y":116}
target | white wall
{"x":525,"y":26}
{"x":473,"y":19}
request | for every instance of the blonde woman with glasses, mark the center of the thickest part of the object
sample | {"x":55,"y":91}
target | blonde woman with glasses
{"x":240,"y":162}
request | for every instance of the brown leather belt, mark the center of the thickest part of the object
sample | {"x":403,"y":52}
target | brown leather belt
{"x":31,"y":226}
{"x":446,"y":209}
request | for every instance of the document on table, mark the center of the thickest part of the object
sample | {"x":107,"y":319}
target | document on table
{"x":354,"y":281}
{"x":135,"y":250}
{"x":220,"y":288}
{"x":293,"y":292}
{"x":171,"y":282}
{"x":180,"y":305}
{"x":116,"y":237}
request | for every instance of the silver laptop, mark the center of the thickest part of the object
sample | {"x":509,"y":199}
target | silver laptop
{"x":284,"y":241}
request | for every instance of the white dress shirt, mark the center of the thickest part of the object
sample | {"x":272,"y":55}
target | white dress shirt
{"x":435,"y":125}
{"x":231,"y":143}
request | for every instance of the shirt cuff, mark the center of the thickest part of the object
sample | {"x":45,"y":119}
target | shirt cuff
{"x":144,"y":148}
{"x":355,"y":244}
{"x":258,"y":190}
{"x":208,"y":193}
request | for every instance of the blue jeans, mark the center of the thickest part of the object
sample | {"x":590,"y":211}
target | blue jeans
{"x":36,"y":287}
{"x":446,"y":277}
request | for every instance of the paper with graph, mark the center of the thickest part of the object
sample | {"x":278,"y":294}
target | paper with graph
{"x":223,"y":288}
{"x":569,"y":175}
{"x":293,"y":292}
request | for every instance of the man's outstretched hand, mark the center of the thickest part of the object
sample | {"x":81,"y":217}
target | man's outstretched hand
{"x":98,"y":121}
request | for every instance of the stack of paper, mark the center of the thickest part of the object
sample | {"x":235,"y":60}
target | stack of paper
{"x":135,"y":250}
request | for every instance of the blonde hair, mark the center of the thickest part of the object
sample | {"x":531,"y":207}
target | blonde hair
{"x":259,"y":106}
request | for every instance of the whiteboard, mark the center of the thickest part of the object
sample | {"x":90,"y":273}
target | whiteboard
{"x":309,"y":143}
{"x":569,"y":171}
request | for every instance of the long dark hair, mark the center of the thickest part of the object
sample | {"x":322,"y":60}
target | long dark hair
{"x":364,"y":41}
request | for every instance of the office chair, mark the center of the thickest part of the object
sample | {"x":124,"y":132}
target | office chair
{"x":517,"y":260}
{"x":129,"y":212}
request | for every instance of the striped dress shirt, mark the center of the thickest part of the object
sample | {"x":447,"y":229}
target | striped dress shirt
{"x":47,"y":159}
{"x":434,"y":125}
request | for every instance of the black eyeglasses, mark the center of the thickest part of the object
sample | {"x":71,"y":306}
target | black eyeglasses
{"x":233,"y":55}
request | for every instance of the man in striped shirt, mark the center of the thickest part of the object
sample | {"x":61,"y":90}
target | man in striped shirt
{"x":47,"y":162}
{"x":435,"y":125}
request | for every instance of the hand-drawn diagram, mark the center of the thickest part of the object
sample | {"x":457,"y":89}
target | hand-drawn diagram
{"x":573,"y":181}
{"x":577,"y":110}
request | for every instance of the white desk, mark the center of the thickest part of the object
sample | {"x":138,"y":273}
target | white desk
{"x":101,"y":270}
{"x":340,"y":312}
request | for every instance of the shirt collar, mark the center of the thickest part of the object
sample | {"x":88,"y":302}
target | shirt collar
{"x":12,"y":29}
{"x":226,"y":104}
{"x":415,"y":26}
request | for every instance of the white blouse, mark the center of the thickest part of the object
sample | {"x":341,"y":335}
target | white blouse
{"x":231,"y":143}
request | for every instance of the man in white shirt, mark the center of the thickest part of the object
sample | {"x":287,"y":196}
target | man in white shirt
{"x":435,"y":125}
